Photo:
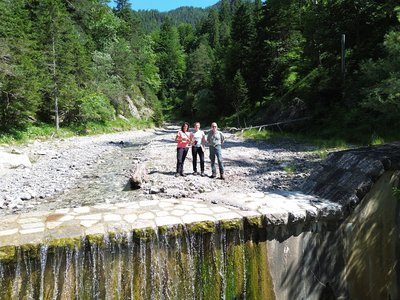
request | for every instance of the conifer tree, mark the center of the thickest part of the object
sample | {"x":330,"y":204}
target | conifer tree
{"x":20,"y":79}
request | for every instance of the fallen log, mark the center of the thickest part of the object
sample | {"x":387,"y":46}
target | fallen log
{"x":260,"y":127}
{"x":138,"y":176}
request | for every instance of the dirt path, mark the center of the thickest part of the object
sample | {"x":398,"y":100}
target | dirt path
{"x":90,"y":170}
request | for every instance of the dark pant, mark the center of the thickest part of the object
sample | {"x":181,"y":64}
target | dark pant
{"x":200,"y":152}
{"x":180,"y":159}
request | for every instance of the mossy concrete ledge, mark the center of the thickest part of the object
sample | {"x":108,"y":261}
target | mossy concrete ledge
{"x":101,"y":224}
{"x":7,"y":254}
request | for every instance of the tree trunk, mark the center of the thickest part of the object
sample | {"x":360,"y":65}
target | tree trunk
{"x":55,"y":92}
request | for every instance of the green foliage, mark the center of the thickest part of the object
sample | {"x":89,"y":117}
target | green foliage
{"x":396,"y":193}
{"x":171,"y":63}
{"x":152,"y":20}
{"x":376,"y":140}
{"x":383,"y":79}
{"x":256,"y":134}
{"x":205,"y":105}
{"x":239,"y":62}
{"x":323,"y":154}
{"x":32,"y":132}
{"x":20,"y":78}
{"x":95,"y":108}
{"x":45,"y":131}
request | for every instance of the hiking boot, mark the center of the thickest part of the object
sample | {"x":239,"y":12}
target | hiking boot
{"x":222,"y":177}
{"x":213,"y":175}
{"x":202,"y":174}
{"x":183,"y":175}
{"x":195,"y":173}
{"x":176,"y":174}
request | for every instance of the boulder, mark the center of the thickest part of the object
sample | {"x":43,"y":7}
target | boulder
{"x":13,"y":161}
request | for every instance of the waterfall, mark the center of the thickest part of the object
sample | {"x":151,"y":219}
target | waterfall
{"x":172,"y":263}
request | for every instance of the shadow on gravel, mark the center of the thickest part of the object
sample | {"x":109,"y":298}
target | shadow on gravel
{"x":127,"y":144}
{"x":171,"y":173}
{"x":283,"y":145}
{"x":164,"y":131}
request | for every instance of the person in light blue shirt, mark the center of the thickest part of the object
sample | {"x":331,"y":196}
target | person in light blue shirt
{"x":198,"y":148}
{"x":216,"y":139}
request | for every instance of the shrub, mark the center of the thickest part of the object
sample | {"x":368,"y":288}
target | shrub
{"x":95,"y":108}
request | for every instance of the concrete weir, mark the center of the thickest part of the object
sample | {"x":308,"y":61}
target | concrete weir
{"x":337,"y":238}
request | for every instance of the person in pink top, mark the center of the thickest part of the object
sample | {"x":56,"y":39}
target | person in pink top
{"x":184,"y":138}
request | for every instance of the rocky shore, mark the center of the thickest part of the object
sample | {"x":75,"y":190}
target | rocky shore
{"x":95,"y":169}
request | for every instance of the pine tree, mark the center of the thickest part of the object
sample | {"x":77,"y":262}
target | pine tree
{"x":171,"y":63}
{"x":20,"y":82}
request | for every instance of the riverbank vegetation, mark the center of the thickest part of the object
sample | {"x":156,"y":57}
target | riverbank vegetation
{"x":80,"y":65}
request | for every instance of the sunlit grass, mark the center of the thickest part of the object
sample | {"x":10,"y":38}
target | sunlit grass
{"x":46,"y":131}
{"x":376,"y":140}
{"x":256,"y":134}
{"x":289,"y":168}
{"x":320,"y":145}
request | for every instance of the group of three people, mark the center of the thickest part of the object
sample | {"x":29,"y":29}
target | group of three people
{"x":197,"y":140}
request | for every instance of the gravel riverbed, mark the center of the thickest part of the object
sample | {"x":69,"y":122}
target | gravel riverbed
{"x":96,"y":169}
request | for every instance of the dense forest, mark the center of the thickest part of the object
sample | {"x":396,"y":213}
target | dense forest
{"x":334,"y":62}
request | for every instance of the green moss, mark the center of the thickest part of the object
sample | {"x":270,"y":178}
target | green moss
{"x":259,"y":282}
{"x":209,"y":280}
{"x":176,"y":231}
{"x":97,"y":239}
{"x":7,"y":254}
{"x":172,"y":231}
{"x":144,"y":233}
{"x":118,"y":237}
{"x":65,"y":243}
{"x":202,"y":227}
{"x":235,"y":271}
{"x":257,"y":221}
{"x":31,"y":250}
{"x":163,"y":230}
{"x":231,"y":224}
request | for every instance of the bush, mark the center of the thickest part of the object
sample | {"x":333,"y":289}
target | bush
{"x":95,"y":108}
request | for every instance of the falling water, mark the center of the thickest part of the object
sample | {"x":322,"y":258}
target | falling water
{"x":175,"y":263}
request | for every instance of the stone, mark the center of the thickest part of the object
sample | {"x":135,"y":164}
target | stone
{"x":13,"y":161}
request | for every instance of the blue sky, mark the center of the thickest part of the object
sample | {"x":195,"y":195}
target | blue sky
{"x":166,"y":5}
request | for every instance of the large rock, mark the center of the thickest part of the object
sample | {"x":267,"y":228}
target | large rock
{"x":13,"y":161}
{"x":345,"y":177}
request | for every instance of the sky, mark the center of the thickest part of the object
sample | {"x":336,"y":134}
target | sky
{"x":166,"y":5}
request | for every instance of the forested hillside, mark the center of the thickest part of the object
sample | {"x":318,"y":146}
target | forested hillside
{"x":151,"y":20}
{"x":336,"y":62}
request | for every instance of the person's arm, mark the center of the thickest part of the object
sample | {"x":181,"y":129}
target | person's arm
{"x":203,"y":139}
{"x":191,"y":138}
{"x":178,"y":137}
{"x":222,"y":137}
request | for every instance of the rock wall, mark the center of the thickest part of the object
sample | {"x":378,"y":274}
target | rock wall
{"x":346,"y":176}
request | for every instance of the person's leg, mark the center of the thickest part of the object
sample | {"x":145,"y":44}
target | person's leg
{"x":185,"y":152}
{"x":218,"y":153}
{"x":194,"y":157}
{"x":212,"y":158}
{"x":201,"y":155}
{"x":179,"y":156}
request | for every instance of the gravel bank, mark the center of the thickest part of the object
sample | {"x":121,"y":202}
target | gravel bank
{"x":89,"y":170}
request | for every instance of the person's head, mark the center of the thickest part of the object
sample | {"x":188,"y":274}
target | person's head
{"x":185,"y":127}
{"x":196,"y":126}
{"x":214,"y":126}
